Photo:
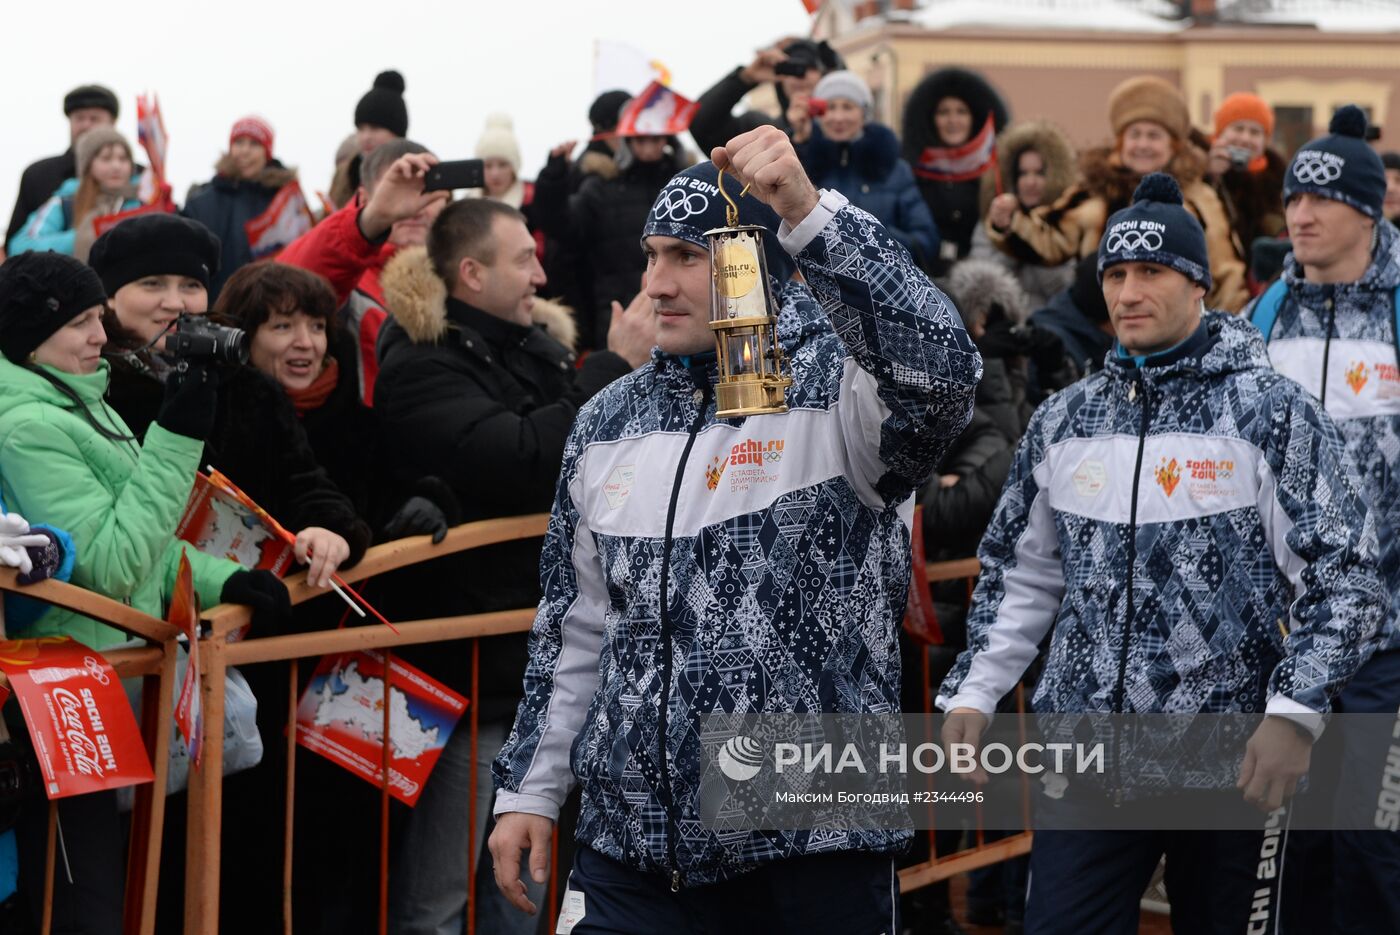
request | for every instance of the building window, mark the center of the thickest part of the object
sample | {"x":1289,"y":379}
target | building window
{"x":1293,"y":126}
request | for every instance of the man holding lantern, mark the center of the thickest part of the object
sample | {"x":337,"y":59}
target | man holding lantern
{"x":697,"y":564}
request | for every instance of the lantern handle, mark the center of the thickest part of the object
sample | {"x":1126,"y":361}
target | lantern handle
{"x":731,"y":213}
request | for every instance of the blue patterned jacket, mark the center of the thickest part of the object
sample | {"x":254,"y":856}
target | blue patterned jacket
{"x":1339,"y":342}
{"x":780,"y":543}
{"x":1190,"y":535}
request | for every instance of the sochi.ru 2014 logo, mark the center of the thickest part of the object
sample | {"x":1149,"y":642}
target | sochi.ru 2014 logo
{"x":1168,"y":475}
{"x":741,"y":758}
{"x":1357,"y":376}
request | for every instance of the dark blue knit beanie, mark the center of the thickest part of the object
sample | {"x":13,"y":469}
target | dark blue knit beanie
{"x":1341,"y":166}
{"x":1155,"y":228}
{"x":691,"y":204}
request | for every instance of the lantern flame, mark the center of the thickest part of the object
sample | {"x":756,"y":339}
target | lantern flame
{"x":748,"y":356}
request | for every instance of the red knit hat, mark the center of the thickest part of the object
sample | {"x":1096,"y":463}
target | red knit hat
{"x":1244,"y":106}
{"x":256,"y":129}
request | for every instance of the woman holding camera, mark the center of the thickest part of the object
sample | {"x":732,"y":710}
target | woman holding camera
{"x":157,"y":269}
{"x":67,"y":459}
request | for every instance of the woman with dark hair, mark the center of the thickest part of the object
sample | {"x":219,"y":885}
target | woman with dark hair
{"x":68,"y":459}
{"x":295,"y":339}
{"x":950,"y":125}
{"x":1035,"y":166}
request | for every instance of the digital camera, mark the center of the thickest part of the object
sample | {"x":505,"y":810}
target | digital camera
{"x":197,"y":338}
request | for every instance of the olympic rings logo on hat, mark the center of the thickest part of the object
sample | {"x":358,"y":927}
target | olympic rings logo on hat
{"x":676,"y":205}
{"x":1119,"y":241}
{"x":1312,"y":169}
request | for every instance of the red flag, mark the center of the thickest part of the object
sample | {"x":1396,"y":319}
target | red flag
{"x":184,"y":614}
{"x":920,"y":619}
{"x":84,"y":733}
{"x":150,"y":131}
{"x":106,"y":222}
{"x":286,"y":219}
{"x":960,"y":163}
{"x":657,"y":111}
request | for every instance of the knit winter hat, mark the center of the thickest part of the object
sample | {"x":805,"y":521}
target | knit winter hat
{"x":155,"y":245}
{"x":498,"y":141}
{"x":1244,"y":106}
{"x":40,"y":293}
{"x":93,"y":142}
{"x":1340,"y":166}
{"x":91,"y":95}
{"x":383,"y":106}
{"x":691,"y":204}
{"x":254,"y":128}
{"x":845,"y":84}
{"x":1155,"y":228}
{"x":606,"y":108}
{"x":1148,"y":98}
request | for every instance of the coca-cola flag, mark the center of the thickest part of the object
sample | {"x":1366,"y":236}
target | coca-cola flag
{"x":84,"y":733}
{"x":657,"y":111}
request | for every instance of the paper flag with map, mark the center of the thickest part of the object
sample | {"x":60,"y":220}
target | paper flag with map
{"x":341,"y":717}
{"x":216,"y":523}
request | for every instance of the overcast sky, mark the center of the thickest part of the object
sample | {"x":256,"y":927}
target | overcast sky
{"x":304,"y":66}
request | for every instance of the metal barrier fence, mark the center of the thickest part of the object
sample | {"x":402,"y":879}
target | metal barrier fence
{"x":156,"y":665}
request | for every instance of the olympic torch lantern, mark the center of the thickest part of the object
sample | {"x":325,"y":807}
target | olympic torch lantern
{"x":752,"y":371}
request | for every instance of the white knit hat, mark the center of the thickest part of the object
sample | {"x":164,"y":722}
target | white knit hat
{"x":498,"y":141}
{"x":845,"y":84}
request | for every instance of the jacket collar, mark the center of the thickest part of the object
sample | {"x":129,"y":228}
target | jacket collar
{"x":495,"y":331}
{"x":1223,"y":344}
{"x":1382,"y":274}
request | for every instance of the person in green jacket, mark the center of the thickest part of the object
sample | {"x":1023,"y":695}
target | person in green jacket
{"x":68,"y":460}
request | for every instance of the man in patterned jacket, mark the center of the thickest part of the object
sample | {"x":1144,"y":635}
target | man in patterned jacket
{"x":1186,"y":523}
{"x":684,"y":576}
{"x":1330,"y":323}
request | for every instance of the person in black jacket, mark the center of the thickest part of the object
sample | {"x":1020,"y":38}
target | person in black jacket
{"x":604,"y":220}
{"x":470,"y":390}
{"x":715,"y":124}
{"x":85,"y":107}
{"x":944,"y":122}
{"x":246,"y":180}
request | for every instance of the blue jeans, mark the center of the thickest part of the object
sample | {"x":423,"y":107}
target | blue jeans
{"x":428,"y":882}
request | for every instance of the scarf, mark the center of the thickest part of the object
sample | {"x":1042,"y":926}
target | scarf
{"x":315,"y":395}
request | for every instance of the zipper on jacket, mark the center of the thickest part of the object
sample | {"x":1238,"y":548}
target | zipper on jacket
{"x":1136,"y":388}
{"x":668,"y":803}
{"x":1331,"y":307}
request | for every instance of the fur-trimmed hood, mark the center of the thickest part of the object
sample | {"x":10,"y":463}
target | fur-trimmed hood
{"x":968,"y":86}
{"x":1105,"y":176}
{"x":978,"y":285}
{"x":1061,"y":168}
{"x":873,"y":154}
{"x":417,"y":300}
{"x":274,"y":175}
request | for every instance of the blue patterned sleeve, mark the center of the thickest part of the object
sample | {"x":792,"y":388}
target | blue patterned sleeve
{"x":1019,"y":591}
{"x":1323,"y":537}
{"x":532,"y":772}
{"x":912,"y":370}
